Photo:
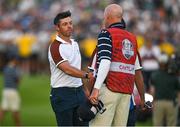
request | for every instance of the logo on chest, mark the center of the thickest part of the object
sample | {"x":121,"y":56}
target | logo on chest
{"x":127,"y":49}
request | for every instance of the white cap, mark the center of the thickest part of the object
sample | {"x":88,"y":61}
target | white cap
{"x":148,"y":97}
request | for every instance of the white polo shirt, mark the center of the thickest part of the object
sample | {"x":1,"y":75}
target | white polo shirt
{"x":60,"y":51}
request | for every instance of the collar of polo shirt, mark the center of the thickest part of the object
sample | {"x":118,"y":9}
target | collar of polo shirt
{"x":63,"y":41}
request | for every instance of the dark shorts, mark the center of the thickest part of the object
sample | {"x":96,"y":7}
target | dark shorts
{"x":64,"y":101}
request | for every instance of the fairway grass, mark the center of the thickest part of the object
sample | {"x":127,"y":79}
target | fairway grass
{"x":35,"y":105}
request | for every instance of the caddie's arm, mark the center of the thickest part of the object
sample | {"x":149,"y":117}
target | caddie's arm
{"x":139,"y":79}
{"x":104,"y":51}
{"x":101,"y":76}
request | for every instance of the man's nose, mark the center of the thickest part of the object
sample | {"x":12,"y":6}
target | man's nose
{"x":69,"y":25}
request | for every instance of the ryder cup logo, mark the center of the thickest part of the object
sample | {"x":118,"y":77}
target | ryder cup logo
{"x":127,"y":49}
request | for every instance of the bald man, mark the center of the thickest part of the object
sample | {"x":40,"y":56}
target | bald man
{"x":117,"y":66}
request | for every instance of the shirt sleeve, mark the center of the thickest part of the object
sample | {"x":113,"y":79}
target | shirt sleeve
{"x":138,"y":64}
{"x":102,"y":73}
{"x":104,"y":47}
{"x":55,"y":53}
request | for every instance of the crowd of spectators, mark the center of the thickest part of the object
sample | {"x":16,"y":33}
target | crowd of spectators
{"x":26,"y":26}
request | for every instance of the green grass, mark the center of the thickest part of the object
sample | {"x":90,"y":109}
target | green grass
{"x":148,"y":122}
{"x":35,"y":107}
{"x":35,"y":104}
